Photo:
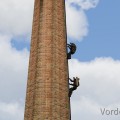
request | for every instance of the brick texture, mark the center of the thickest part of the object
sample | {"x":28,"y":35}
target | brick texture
{"x":47,"y":86}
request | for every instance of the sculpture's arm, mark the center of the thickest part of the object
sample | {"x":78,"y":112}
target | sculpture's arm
{"x":69,"y":46}
{"x":71,"y":80}
{"x":71,"y":84}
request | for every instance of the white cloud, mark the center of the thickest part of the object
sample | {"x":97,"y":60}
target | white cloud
{"x":77,"y":23}
{"x":11,"y":111}
{"x":13,"y":77}
{"x":87,"y":4}
{"x":100,"y":86}
{"x":13,"y":71}
{"x":16,"y":16}
{"x":88,"y":109}
{"x":84,"y":4}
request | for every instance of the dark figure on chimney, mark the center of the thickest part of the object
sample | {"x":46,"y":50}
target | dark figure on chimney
{"x":72,"y":48}
{"x":74,"y":84}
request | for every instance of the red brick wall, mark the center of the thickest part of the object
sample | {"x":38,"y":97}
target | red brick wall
{"x":47,"y":87}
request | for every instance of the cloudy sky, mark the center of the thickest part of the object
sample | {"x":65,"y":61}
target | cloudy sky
{"x":94,"y":26}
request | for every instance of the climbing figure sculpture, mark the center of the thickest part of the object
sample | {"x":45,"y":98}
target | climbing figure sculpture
{"x":75,"y":84}
{"x":72,"y":48}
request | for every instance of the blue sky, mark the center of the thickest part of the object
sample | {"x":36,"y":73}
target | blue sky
{"x":105,"y":29}
{"x":93,"y":25}
{"x":103,"y":39}
{"x":103,"y":36}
